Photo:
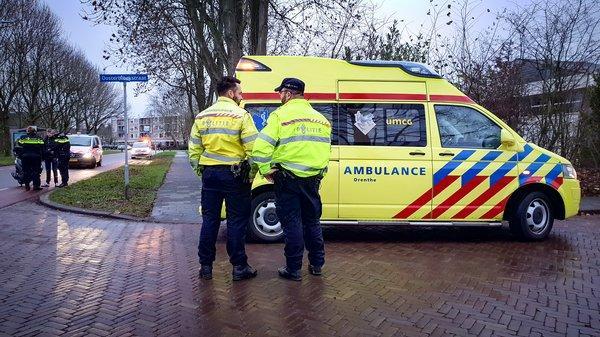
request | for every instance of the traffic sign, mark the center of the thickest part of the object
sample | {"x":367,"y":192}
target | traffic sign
{"x":123,"y":77}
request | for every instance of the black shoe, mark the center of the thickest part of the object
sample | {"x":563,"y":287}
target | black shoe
{"x":243,"y":272}
{"x":285,"y":273}
{"x":205,"y":272}
{"x":37,"y":188}
{"x":63,"y":185}
{"x":314,"y":270}
{"x":27,"y":187}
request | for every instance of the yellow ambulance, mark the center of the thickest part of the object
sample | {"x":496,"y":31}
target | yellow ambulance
{"x":409,"y":148}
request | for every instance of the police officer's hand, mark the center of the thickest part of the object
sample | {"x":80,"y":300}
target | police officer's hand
{"x":196,"y":167}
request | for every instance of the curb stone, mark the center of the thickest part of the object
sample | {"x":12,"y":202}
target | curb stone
{"x":44,"y":199}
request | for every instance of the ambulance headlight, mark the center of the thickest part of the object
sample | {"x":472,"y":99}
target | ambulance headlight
{"x":569,"y":172}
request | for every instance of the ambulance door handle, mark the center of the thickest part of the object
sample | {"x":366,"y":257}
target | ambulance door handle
{"x":450,"y":154}
{"x":418,"y":153}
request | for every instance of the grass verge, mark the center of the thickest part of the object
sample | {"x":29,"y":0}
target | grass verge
{"x":6,"y":160}
{"x":105,"y":191}
{"x":111,"y":151}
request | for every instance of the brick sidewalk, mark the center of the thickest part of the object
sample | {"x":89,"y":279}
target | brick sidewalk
{"x":69,"y":274}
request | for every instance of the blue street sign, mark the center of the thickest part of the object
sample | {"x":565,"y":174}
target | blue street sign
{"x":123,"y":77}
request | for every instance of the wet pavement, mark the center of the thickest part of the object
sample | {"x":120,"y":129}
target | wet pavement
{"x":63,"y":273}
{"x":11,"y":192}
{"x":178,"y":198}
{"x":590,"y":204}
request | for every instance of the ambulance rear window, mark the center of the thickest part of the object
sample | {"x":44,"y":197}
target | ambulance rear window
{"x":413,"y":68}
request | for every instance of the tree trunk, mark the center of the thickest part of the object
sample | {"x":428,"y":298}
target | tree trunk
{"x":4,"y":134}
{"x":234,"y":24}
{"x":259,"y":10}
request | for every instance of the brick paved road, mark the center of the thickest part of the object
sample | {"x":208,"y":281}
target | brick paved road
{"x":65,"y":273}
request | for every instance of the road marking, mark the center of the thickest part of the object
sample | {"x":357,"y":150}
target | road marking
{"x":3,"y":189}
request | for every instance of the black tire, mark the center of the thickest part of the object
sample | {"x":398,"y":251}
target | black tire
{"x":264,"y":227}
{"x":533,"y":218}
{"x":99,"y":163}
{"x":93,"y":164}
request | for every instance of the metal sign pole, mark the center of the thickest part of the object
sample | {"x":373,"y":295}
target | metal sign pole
{"x":124,"y":78}
{"x":126,"y":140}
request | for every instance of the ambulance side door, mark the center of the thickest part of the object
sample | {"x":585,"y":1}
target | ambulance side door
{"x":384,"y":159}
{"x":473,"y":173}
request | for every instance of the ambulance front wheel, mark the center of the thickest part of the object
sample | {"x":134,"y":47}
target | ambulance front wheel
{"x":264,"y":224}
{"x":532,"y":220}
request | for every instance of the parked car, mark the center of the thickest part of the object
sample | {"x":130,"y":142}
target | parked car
{"x":86,"y":151}
{"x":142,"y":150}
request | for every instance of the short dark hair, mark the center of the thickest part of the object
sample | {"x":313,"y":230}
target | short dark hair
{"x":225,"y":84}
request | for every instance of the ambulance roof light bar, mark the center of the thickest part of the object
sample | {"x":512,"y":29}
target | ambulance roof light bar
{"x":250,"y":65}
{"x":413,"y":68}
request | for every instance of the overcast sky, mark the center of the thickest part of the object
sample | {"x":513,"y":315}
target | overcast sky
{"x":92,"y":39}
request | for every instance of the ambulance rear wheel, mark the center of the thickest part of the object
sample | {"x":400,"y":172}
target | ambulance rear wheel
{"x":532,"y":220}
{"x":264,"y":224}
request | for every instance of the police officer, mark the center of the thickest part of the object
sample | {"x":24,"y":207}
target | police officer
{"x":50,"y":160}
{"x":30,"y":150}
{"x":220,"y":144}
{"x":293,"y":151}
{"x":62,"y":152}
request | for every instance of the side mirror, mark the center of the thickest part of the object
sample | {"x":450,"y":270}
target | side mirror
{"x":96,"y":146}
{"x":509,"y":141}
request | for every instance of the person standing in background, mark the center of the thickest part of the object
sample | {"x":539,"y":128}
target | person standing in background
{"x":50,"y":160}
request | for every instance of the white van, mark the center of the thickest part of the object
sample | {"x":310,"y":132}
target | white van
{"x":86,"y":151}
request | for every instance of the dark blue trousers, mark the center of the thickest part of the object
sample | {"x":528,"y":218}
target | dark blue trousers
{"x":299,"y":209}
{"x":32,"y":168}
{"x":218,"y":184}
{"x":63,"y":168}
{"x":51,"y":166}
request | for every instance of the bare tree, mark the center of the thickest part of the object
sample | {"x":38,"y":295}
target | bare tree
{"x":560,"y":43}
{"x":57,"y":90}
{"x":15,"y":42}
{"x":43,"y":80}
{"x":45,"y":33}
{"x":187,"y":45}
{"x":170,"y":106}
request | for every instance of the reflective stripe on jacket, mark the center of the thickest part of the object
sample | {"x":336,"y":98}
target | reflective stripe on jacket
{"x":297,"y":137}
{"x":223,"y":134}
{"x":30,"y":146}
{"x":62,"y":146}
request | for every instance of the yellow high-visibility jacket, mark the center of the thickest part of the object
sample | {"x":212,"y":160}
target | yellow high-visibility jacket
{"x":297,"y":137}
{"x":223,"y":134}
